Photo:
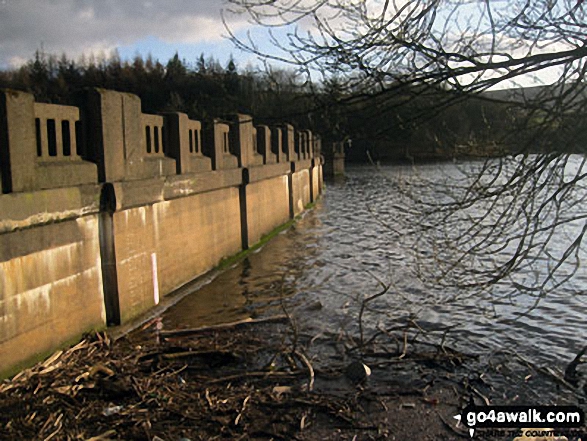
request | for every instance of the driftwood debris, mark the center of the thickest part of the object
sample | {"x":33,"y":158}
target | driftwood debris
{"x":245,"y":383}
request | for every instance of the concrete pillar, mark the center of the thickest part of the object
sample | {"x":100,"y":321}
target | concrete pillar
{"x":298,"y":146}
{"x":106,"y":133}
{"x":288,"y":142}
{"x":118,"y":142}
{"x":277,"y":144}
{"x":305,"y":144}
{"x":178,"y":140}
{"x":317,"y":146}
{"x":216,"y":145}
{"x":333,"y":159}
{"x":318,"y":160}
{"x":18,"y":151}
{"x":215,"y":142}
{"x":264,"y":145}
{"x":241,"y":138}
{"x":310,"y":145}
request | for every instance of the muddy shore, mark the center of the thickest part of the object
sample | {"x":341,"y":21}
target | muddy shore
{"x":245,"y":381}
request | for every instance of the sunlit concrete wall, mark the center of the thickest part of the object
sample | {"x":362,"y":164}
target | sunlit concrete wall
{"x":105,"y":210}
{"x":51,"y":287}
{"x":267,"y":206}
{"x":300,"y":189}
{"x":162,"y":246}
{"x":316,"y":180}
{"x":50,"y":279}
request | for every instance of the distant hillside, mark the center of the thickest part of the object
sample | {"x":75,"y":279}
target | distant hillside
{"x":570,"y":95}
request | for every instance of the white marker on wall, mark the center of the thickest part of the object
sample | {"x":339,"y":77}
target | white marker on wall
{"x":155,"y":278}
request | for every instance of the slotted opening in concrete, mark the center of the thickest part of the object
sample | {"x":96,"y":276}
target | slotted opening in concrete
{"x":52,"y":137}
{"x":66,"y":138}
{"x":156,"y":136}
{"x":38,"y":130}
{"x":78,"y":138}
{"x":148,"y":138}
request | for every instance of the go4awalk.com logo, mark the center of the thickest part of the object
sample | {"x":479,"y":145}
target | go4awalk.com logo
{"x":515,"y":417}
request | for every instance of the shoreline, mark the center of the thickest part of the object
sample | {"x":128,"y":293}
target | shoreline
{"x":254,"y":380}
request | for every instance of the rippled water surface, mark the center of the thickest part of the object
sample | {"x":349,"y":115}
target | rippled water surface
{"x":335,"y":255}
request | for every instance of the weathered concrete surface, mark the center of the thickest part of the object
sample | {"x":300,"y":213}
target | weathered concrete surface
{"x":196,"y":234}
{"x":30,"y":209}
{"x":316,"y":183}
{"x":50,"y":288}
{"x":333,"y":159}
{"x":162,"y":246}
{"x":139,"y":193}
{"x":65,"y":174}
{"x":300,"y":190}
{"x":269,"y":171}
{"x":185,"y":185}
{"x":267,"y":206}
{"x":334,"y":166}
{"x":17,"y":141}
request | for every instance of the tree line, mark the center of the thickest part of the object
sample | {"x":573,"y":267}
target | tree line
{"x":203,"y":89}
{"x":405,"y":122}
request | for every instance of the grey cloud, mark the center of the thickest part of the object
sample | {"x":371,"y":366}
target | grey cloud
{"x":76,"y":26}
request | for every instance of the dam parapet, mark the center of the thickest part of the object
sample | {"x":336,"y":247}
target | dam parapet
{"x":105,"y":210}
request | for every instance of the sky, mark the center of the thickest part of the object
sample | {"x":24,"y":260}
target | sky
{"x":159,"y":27}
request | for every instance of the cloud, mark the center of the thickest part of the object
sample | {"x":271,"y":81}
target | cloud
{"x":83,"y":26}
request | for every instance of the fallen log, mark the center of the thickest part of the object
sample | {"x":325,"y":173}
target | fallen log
{"x":247,"y":321}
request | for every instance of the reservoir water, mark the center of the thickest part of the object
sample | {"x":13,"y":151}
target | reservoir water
{"x":359,"y":237}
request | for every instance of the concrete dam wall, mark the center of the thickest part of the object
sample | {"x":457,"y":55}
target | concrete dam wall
{"x":105,"y":210}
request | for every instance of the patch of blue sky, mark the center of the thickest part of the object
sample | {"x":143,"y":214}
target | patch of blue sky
{"x":221,"y":49}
